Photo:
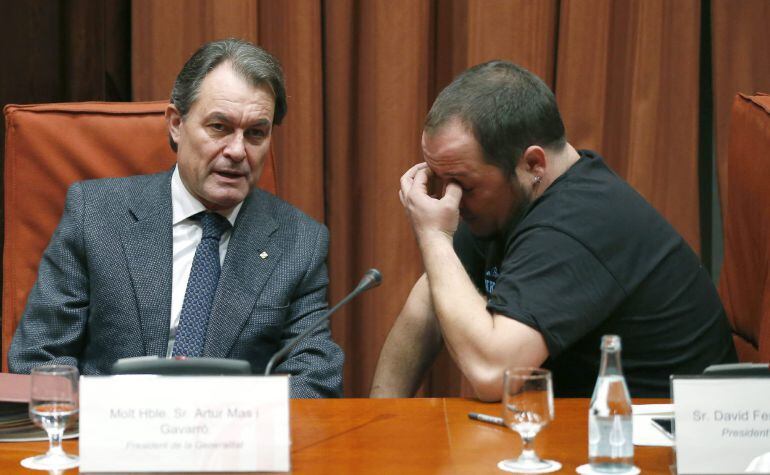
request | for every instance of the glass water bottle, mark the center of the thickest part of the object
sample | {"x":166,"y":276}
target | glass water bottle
{"x":610,"y":425}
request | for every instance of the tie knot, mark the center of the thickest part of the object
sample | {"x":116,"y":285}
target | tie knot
{"x":214,"y":225}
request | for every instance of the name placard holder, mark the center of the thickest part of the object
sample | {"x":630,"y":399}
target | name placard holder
{"x":722,"y":425}
{"x":148,"y":423}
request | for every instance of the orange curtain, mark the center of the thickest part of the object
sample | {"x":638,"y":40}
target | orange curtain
{"x":362,"y":74}
{"x":376,"y":77}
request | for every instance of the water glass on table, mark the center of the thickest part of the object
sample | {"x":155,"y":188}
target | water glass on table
{"x":53,"y":405}
{"x":527,"y":408}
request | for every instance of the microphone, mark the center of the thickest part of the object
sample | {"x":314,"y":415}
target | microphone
{"x":371,"y":279}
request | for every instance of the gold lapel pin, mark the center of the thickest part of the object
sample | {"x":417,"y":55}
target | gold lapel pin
{"x":263,"y":255}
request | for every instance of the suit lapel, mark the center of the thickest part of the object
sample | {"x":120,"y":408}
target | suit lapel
{"x":148,"y":247}
{"x":244,"y":273}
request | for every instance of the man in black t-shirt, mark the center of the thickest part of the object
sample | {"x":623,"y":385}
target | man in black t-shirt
{"x":534,"y":250}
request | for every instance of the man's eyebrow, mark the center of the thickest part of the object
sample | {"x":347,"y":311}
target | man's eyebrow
{"x":221,"y":117}
{"x":218,"y":116}
{"x":261,"y":122}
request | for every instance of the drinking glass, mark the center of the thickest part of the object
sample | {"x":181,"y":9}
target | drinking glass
{"x":527,"y":408}
{"x":53,"y":404}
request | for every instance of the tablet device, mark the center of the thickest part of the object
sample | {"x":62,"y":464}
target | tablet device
{"x":665,"y":425}
{"x":750,"y":370}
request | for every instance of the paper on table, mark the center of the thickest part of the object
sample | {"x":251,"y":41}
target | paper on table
{"x":760,"y":464}
{"x":644,"y":432}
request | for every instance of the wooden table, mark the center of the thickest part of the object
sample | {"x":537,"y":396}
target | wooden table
{"x":405,"y":436}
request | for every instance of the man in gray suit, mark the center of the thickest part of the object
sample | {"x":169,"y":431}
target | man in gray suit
{"x":132,"y":267}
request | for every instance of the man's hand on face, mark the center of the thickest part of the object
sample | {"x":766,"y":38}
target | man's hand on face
{"x":431,"y":217}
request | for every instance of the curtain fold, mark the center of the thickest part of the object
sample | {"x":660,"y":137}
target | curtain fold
{"x":165,"y":34}
{"x":292,"y":32}
{"x":377,"y":96}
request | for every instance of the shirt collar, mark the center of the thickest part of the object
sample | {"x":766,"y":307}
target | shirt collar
{"x":184,"y":204}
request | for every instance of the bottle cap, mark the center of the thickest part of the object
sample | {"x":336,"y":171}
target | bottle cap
{"x":610,"y":343}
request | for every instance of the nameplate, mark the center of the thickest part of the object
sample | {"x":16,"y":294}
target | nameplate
{"x":722,"y":425}
{"x":149,"y":423}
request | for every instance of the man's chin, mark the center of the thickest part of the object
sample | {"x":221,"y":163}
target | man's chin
{"x":222,"y":201}
{"x":482,"y":232}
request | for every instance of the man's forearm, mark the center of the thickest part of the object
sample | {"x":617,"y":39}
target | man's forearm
{"x":399,"y":373}
{"x":410,"y":348}
{"x":467,"y":326}
{"x":482,"y":344}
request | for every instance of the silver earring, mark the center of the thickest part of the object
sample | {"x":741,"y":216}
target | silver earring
{"x":536,"y":181}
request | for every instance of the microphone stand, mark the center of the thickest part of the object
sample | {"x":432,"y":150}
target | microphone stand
{"x":371,"y":279}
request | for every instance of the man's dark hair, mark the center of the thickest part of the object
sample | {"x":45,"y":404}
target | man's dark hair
{"x":506,"y":107}
{"x":252,"y":63}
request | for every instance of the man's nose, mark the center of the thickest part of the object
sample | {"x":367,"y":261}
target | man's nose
{"x":235,"y":148}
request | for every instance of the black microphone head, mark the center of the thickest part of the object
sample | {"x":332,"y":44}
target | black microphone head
{"x":371,"y":279}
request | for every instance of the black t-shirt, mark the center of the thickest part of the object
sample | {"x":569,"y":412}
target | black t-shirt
{"x":591,"y":257}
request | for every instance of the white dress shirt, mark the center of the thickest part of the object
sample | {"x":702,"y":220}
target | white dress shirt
{"x":186,"y":234}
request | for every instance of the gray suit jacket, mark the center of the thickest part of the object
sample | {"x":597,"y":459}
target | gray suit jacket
{"x":103,"y":289}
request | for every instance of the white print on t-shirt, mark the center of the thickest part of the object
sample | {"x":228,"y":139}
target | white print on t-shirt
{"x":490,"y":279}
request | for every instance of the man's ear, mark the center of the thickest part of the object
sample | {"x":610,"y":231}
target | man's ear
{"x":533,"y":161}
{"x":174,"y":122}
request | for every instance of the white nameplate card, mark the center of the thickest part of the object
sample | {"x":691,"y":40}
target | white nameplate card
{"x":722,"y":425}
{"x":148,"y":423}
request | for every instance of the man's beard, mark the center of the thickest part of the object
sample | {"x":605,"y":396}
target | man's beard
{"x":524,"y":200}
